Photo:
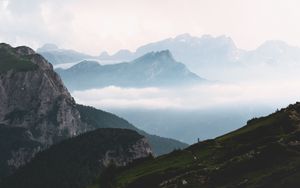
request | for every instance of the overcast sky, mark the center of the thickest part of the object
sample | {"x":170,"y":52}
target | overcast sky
{"x":95,"y":25}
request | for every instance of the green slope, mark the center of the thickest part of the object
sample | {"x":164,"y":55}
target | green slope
{"x":101,"y":119}
{"x":11,"y":60}
{"x":264,"y":153}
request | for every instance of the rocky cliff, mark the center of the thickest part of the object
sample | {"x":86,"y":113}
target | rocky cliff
{"x":37,"y":100}
{"x":37,"y":111}
{"x":34,"y":98}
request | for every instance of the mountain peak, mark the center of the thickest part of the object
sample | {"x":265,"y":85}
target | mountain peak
{"x":164,"y":56}
{"x":4,"y":45}
{"x":21,"y":58}
{"x":104,"y":55}
{"x":24,"y":50}
{"x":86,"y":65}
{"x":273,"y":44}
{"x":183,"y":37}
{"x":163,"y":53}
{"x":48,"y":47}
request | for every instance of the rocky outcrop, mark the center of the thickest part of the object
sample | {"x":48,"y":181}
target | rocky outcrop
{"x":38,"y":101}
{"x":121,"y":157}
{"x":34,"y":99}
{"x":78,"y":161}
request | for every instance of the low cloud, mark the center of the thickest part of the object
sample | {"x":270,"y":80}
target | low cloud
{"x":276,"y":94}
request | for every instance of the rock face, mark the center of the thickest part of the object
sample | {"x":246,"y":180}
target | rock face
{"x":140,"y":149}
{"x":37,"y":111}
{"x":76,"y":162}
{"x":37,"y":101}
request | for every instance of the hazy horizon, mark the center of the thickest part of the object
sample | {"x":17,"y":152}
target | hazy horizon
{"x":269,"y":77}
{"x":114,"y":25}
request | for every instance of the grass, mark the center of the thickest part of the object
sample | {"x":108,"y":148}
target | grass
{"x":250,"y":156}
{"x":158,"y":165}
{"x":10,"y":60}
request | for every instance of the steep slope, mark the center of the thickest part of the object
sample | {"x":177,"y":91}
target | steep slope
{"x":100,"y":119}
{"x":34,"y":103}
{"x":264,"y":153}
{"x":36,"y":110}
{"x":152,"y":69}
{"x":75,"y":162}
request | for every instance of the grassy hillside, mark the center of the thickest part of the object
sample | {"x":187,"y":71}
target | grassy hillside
{"x":10,"y":60}
{"x":264,"y":153}
{"x":101,"y":119}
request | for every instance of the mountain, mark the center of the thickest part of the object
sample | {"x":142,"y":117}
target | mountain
{"x":121,"y":55}
{"x":195,"y":52}
{"x":152,"y":69}
{"x":208,"y":51}
{"x":34,"y":104}
{"x":76,"y":162}
{"x":264,"y":153}
{"x":199,"y":54}
{"x":37,"y":111}
{"x":272,"y":53}
{"x":101,"y":119}
{"x":56,"y":55}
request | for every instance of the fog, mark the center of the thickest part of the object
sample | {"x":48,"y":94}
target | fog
{"x":201,"y":111}
{"x":113,"y":25}
{"x":269,"y":93}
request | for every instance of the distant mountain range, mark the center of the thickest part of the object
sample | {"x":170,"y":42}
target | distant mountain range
{"x":152,"y":69}
{"x":56,"y":55}
{"x":196,"y":53}
{"x":217,"y":52}
{"x":193,"y":51}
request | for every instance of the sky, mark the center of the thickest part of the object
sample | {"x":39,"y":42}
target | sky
{"x":92,"y":26}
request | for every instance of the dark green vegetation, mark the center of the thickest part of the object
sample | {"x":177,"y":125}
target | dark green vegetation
{"x":264,"y":153}
{"x":11,"y":60}
{"x":72,"y":163}
{"x":12,"y":139}
{"x":100,"y":119}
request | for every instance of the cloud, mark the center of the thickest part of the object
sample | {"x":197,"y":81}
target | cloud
{"x":94,"y":25}
{"x":275,"y":94}
{"x":34,"y":22}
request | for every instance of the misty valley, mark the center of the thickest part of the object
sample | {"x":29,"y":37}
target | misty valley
{"x":149,"y":94}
